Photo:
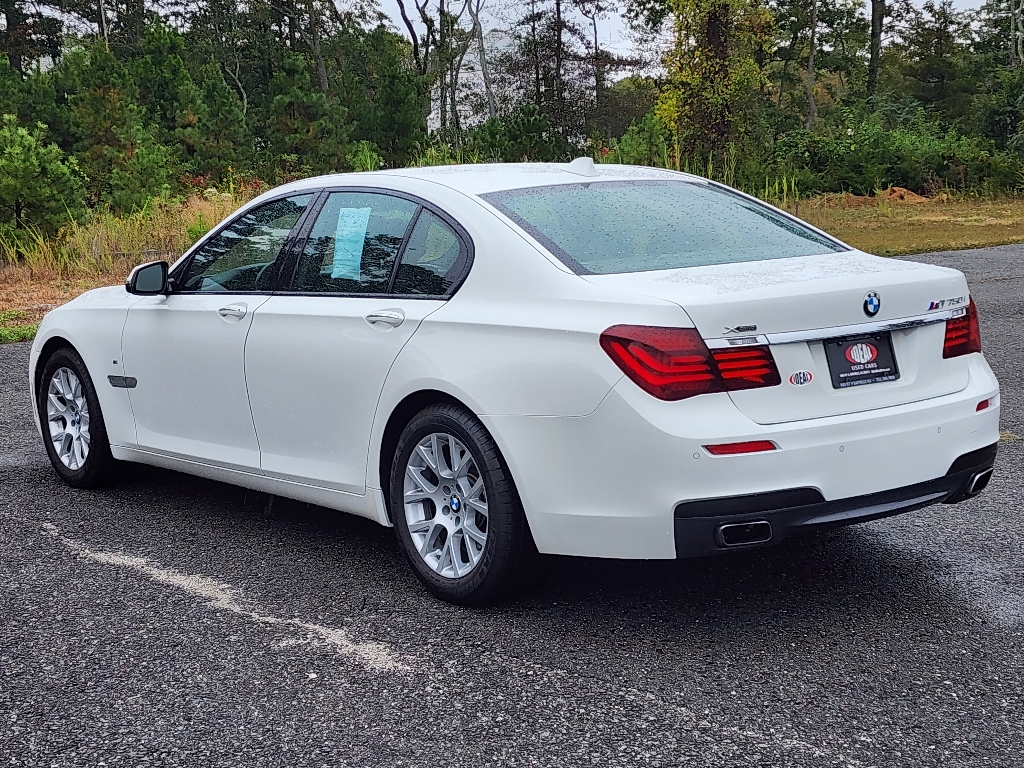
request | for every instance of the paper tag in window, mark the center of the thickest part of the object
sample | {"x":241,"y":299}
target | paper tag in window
{"x":348,"y":242}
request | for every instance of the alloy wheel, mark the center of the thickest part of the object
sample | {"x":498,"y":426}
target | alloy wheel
{"x":446,"y":505}
{"x":67,"y":414}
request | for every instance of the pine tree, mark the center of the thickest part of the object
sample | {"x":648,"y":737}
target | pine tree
{"x":119,"y":152}
{"x":39,"y":186}
{"x":223,"y":130}
{"x":307,"y":134}
{"x":168,"y":93}
{"x":383,"y":94}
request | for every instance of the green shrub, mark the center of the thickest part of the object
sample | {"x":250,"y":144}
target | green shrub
{"x":921,"y":157}
{"x":14,"y":328}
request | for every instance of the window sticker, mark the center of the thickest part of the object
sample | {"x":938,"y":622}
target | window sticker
{"x":348,"y":242}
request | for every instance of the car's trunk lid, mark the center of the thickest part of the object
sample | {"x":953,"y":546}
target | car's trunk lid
{"x":797,"y":303}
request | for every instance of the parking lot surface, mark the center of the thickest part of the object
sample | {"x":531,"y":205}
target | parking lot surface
{"x":174,"y":621}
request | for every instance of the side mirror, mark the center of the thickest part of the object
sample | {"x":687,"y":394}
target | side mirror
{"x":148,"y":279}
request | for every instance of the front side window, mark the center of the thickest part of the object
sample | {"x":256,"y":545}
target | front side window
{"x":638,"y":226}
{"x":242,"y":257}
{"x":431,"y":259}
{"x":353,"y":244}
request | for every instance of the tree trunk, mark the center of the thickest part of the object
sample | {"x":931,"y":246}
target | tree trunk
{"x":14,"y":22}
{"x":812,"y":108}
{"x":421,"y":67}
{"x":535,"y":52}
{"x":314,"y":44}
{"x":442,"y":61}
{"x":559,"y":53}
{"x":475,"y":6}
{"x":103,"y":25}
{"x":1013,"y":34}
{"x":1016,"y":33}
{"x":718,"y":122}
{"x":875,"y":60}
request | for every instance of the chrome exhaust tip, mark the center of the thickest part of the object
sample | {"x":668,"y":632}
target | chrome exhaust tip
{"x":978,"y":482}
{"x":743,"y":534}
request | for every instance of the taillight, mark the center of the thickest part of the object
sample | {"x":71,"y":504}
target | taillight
{"x":675,"y":363}
{"x":746,"y":367}
{"x":963,"y":334}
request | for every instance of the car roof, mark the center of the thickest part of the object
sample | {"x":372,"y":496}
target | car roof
{"x":479,"y":179}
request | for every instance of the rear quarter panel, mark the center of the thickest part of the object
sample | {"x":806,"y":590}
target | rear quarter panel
{"x":520,"y":337}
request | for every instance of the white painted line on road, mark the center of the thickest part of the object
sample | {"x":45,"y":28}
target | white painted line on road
{"x":223,"y":597}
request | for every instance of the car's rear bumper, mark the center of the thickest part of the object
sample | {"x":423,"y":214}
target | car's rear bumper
{"x":608,"y":484}
{"x":712,"y":526}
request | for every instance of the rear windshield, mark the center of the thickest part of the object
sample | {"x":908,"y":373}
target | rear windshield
{"x":610,"y":227}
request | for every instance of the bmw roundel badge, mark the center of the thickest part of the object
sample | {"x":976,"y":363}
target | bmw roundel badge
{"x":455,"y":504}
{"x":872,"y":303}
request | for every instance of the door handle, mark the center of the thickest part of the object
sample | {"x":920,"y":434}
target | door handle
{"x":237,"y":311}
{"x":392,"y":317}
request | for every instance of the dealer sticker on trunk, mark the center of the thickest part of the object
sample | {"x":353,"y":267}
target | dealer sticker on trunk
{"x":861,"y":360}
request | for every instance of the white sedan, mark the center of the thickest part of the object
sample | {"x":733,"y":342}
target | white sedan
{"x":497,"y":360}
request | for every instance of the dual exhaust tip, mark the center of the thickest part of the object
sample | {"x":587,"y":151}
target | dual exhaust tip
{"x":751,"y":532}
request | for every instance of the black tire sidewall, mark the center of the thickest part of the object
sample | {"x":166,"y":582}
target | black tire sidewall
{"x":94,"y":472}
{"x":506,"y":522}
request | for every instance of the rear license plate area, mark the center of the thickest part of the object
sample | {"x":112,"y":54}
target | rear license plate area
{"x":861,"y":360}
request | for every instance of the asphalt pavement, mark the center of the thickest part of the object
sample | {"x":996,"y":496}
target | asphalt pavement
{"x":172,"y":621}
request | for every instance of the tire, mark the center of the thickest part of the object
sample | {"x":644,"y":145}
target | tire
{"x":456,"y":566}
{"x":73,"y":412}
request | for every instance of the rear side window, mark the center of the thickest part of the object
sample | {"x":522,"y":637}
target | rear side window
{"x":638,"y":226}
{"x":431,"y":259}
{"x":353,"y":244}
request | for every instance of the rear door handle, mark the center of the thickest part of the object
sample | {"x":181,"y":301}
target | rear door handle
{"x":237,"y":311}
{"x":392,"y":317}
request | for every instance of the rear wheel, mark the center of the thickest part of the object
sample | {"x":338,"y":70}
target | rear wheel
{"x":457,"y":515}
{"x":72,"y":424}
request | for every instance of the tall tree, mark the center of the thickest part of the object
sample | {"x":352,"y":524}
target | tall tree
{"x":875,"y":54}
{"x":307,"y":133}
{"x":934,"y":50}
{"x":31,"y":30}
{"x":714,"y":70}
{"x":224,"y":132}
{"x":812,"y":46}
{"x":475,"y":7}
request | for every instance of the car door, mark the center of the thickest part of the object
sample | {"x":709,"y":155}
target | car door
{"x":372,"y":266}
{"x":185,"y":349}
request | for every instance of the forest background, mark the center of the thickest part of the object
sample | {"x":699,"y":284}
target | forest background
{"x":129,"y":127}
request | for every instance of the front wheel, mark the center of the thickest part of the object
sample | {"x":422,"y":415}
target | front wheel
{"x":457,"y":515}
{"x":71,"y":421}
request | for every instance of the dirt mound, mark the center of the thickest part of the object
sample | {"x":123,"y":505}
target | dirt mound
{"x":848,"y":200}
{"x":892,"y":195}
{"x":901,"y":195}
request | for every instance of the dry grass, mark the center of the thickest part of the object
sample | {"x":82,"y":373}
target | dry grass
{"x":893,"y":228}
{"x":39,"y":274}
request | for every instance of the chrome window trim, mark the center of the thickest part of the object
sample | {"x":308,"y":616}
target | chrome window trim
{"x":839,"y":331}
